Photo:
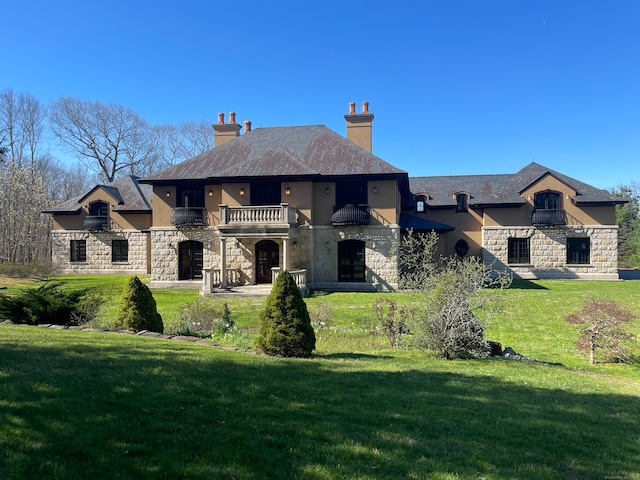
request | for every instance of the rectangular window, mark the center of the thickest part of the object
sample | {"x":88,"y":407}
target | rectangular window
{"x":119,"y":250}
{"x":190,"y":196}
{"x":352,"y":192}
{"x":78,"y":250}
{"x":519,"y":250}
{"x":578,"y":251}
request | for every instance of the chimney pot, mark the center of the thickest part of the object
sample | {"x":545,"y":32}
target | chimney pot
{"x":221,"y":118}
{"x":365,"y":107}
{"x":247,"y":126}
{"x":232,"y":118}
{"x":352,"y":108}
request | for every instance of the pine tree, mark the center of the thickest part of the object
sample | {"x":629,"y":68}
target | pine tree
{"x":285,"y":328}
{"x":138,"y":310}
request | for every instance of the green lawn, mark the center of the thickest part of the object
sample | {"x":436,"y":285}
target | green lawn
{"x":104,"y":405}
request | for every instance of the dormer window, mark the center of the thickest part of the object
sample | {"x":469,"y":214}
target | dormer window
{"x":462,"y":202}
{"x":547,"y":200}
{"x":99,"y":209}
{"x":421,"y":203}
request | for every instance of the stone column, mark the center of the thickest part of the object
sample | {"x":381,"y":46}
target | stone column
{"x":223,"y":262}
{"x":285,"y":254}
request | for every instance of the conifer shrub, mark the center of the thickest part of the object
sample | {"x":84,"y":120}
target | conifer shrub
{"x":138,"y":310}
{"x":47,"y":303}
{"x":285,"y":327}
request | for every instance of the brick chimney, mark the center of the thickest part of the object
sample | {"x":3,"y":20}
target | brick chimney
{"x":359,"y":125}
{"x":223,"y":132}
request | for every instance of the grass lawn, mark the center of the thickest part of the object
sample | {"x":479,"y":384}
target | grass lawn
{"x":103,"y":405}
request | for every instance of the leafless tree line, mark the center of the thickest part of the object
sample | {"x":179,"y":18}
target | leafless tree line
{"x":107,"y":141}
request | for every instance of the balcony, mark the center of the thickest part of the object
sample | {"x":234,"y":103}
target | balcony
{"x":96,"y":223}
{"x":250,"y":220}
{"x":351,"y":215}
{"x":548,"y":217}
{"x":189,"y":217}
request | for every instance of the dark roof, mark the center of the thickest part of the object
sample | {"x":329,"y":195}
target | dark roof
{"x":303,"y":151}
{"x":128,"y":195}
{"x":419,"y":224}
{"x":502,"y":189}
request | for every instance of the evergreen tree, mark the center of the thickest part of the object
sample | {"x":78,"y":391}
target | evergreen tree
{"x":285,"y":328}
{"x":138,"y":310}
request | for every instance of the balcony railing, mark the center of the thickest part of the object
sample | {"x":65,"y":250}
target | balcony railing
{"x":548,"y":217}
{"x":351,"y":214}
{"x":96,"y":222}
{"x":188,"y":217}
{"x":255,"y":215}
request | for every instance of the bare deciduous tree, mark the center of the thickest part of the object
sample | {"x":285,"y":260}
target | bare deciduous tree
{"x":180,"y":142}
{"x":602,"y":325}
{"x":22,"y":120}
{"x":108,"y":139}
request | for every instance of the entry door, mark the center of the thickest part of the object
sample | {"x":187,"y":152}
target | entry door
{"x":190,"y":261}
{"x":267,"y":256}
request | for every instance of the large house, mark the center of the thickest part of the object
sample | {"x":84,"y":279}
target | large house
{"x":323,"y":207}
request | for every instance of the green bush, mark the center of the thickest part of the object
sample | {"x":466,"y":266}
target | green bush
{"x":44,"y":304}
{"x":285,"y":328}
{"x":138,"y":310}
{"x":204,"y":318}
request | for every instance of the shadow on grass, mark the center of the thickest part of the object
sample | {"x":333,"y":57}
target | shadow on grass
{"x":526,"y":285}
{"x":129,"y":407}
{"x":350,"y":356}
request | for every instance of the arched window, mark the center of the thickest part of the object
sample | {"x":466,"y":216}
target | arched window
{"x":99,"y":209}
{"x":190,"y":260}
{"x":351,"y":261}
{"x":547,"y":200}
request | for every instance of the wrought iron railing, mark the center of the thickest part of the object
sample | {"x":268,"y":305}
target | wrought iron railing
{"x":548,"y":217}
{"x":96,"y":222}
{"x":351,"y":214}
{"x":188,"y":217}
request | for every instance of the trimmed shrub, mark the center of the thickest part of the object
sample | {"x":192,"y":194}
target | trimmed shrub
{"x":138,"y":310}
{"x":285,"y":328}
{"x":44,"y":304}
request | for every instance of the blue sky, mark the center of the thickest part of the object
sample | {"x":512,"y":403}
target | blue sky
{"x":456,"y":86}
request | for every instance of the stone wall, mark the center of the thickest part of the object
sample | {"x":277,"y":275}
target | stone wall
{"x":99,"y":252}
{"x":164,"y":250}
{"x":380,"y":259}
{"x":548,"y":251}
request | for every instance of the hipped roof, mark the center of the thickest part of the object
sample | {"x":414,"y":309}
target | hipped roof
{"x":301,"y":151}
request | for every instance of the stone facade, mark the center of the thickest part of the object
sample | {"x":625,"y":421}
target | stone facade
{"x":98,"y":250}
{"x":312,"y":248}
{"x":548,"y":251}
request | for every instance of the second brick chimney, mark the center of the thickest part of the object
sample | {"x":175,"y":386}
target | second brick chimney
{"x":223,"y":132}
{"x":359,"y":125}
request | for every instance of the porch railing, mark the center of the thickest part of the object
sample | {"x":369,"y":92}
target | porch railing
{"x":300,"y":277}
{"x":213,"y":278}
